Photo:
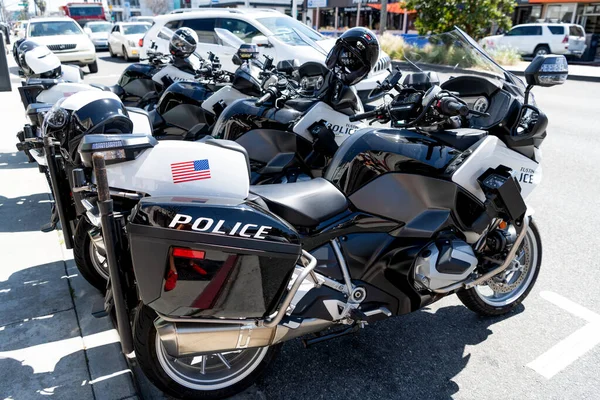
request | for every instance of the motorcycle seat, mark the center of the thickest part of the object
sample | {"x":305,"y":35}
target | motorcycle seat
{"x":305,"y":203}
{"x":301,"y":104}
{"x":116,"y":89}
{"x":461,"y":138}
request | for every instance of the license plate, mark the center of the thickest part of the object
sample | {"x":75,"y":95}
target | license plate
{"x":134,"y":52}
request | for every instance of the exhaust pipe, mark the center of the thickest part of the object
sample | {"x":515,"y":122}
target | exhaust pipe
{"x":192,"y":339}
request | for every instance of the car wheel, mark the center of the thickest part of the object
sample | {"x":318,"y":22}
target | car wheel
{"x":93,"y":67}
{"x":125,"y":55}
{"x":541,"y":50}
{"x":110,"y":51}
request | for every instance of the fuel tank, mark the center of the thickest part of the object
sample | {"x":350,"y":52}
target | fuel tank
{"x":372,"y":152}
{"x":137,"y":81}
{"x":180,"y":107}
{"x":244,"y":115}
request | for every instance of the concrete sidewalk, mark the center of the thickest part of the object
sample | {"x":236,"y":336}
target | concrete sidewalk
{"x":49,"y":342}
{"x":586,"y":73}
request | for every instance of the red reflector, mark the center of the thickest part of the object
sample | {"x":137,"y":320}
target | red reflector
{"x":566,"y":39}
{"x":141,"y":42}
{"x":171,"y":280}
{"x":188,"y":253}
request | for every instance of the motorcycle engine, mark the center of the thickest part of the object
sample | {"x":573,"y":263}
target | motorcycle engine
{"x":443,"y":263}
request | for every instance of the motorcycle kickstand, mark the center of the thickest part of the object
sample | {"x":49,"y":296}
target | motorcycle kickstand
{"x":50,"y":226}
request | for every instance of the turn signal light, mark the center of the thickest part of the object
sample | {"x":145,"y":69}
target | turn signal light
{"x":141,"y":42}
{"x":566,"y":39}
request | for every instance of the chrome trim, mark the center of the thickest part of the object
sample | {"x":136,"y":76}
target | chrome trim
{"x":343,"y":266}
{"x":381,"y":310}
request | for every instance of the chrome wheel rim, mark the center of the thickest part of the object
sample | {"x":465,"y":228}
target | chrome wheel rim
{"x":542,"y":52}
{"x":99,"y":262}
{"x":509,"y":286}
{"x":210,"y":371}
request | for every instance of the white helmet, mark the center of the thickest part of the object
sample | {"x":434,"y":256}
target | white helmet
{"x":37,"y":61}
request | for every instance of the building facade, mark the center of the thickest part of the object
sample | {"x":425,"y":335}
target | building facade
{"x":583,"y":12}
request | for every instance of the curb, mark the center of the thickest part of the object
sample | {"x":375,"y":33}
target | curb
{"x":580,"y":78}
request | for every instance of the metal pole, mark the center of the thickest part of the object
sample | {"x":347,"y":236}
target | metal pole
{"x":295,"y":9}
{"x":358,"y":14}
{"x":317,"y":19}
{"x":383,"y":17}
{"x":405,"y":22}
{"x":107,"y":218}
{"x":246,"y":3}
{"x":336,"y":19}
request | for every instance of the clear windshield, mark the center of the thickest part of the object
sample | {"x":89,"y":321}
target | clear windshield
{"x":135,"y":29}
{"x":450,"y":54}
{"x":54,"y":28}
{"x":286,"y":29}
{"x":97,"y":28}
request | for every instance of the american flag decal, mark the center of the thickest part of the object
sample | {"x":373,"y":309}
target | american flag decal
{"x":190,"y":171}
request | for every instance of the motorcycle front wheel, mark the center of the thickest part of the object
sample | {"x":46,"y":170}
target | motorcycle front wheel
{"x":506,"y":291}
{"x":90,"y":263}
{"x":210,"y":376}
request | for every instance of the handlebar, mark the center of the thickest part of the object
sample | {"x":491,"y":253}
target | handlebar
{"x":271,"y":92}
{"x":366,"y":115}
{"x":452,"y":107}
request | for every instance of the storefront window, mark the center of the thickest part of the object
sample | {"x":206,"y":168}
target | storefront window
{"x":560,"y":12}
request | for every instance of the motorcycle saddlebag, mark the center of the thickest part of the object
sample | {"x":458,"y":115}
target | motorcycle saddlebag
{"x":211,"y":257}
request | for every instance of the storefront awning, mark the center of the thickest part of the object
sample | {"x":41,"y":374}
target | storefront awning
{"x":394,"y":8}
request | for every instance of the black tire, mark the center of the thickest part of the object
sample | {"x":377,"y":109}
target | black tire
{"x":542,"y":49}
{"x":110,"y":51}
{"x":82,"y":256}
{"x":93,"y":67}
{"x":471,"y":299}
{"x":144,"y":338}
{"x":125,"y":55}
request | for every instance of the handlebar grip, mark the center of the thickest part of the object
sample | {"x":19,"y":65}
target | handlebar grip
{"x":264,"y":99}
{"x":451,"y":107}
{"x":368,"y":114}
{"x":203,"y":70}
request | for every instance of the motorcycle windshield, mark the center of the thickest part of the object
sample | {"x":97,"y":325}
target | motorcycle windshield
{"x":450,"y":54}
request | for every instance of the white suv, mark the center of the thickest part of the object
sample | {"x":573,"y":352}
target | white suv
{"x":540,"y":39}
{"x":275,"y":34}
{"x":66,"y":39}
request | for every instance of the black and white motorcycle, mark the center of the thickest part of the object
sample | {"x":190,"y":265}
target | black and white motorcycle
{"x":218,"y":273}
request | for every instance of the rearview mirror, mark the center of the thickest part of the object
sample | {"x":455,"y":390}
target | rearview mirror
{"x":548,"y":70}
{"x":261,"y":41}
{"x":288,"y":66}
{"x":237,"y":60}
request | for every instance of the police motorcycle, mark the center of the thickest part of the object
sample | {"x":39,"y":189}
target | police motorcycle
{"x":291,"y":136}
{"x":210,"y":275}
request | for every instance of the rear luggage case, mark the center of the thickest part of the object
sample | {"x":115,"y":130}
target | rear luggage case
{"x":211,"y":257}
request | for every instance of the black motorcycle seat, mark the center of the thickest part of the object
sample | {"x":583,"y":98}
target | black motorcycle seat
{"x":301,"y":104}
{"x":305,"y":203}
{"x":116,"y":89}
{"x":461,"y":138}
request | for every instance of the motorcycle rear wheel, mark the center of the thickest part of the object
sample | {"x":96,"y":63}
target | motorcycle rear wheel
{"x":505,"y":297}
{"x":214,"y":376}
{"x":91,"y":265}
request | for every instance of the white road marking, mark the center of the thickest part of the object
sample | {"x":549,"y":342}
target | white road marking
{"x":567,"y":351}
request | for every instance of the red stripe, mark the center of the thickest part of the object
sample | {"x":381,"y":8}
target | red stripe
{"x":183,"y":162}
{"x":191,"y":174}
{"x":190,"y":179}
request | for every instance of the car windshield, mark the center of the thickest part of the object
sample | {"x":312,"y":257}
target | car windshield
{"x":286,"y":29}
{"x":135,"y":29}
{"x":97,"y":28}
{"x":54,"y":28}
{"x":450,"y":54}
{"x":86,"y":11}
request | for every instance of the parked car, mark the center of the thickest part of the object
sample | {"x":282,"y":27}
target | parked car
{"x":125,"y":39}
{"x":149,"y":20}
{"x":274,"y":33}
{"x":539,"y":39}
{"x":98,"y":31}
{"x":66,"y":39}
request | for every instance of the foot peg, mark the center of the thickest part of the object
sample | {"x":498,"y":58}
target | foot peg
{"x":334,"y":335}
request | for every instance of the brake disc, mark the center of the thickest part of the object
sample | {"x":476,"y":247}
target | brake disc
{"x":520,"y":265}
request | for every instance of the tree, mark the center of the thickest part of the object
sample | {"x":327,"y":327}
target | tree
{"x":475,"y":17}
{"x":158,"y":7}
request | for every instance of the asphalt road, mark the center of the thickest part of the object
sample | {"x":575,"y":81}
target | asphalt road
{"x":446,"y":351}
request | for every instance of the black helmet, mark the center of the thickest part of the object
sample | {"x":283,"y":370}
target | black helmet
{"x":354,"y":54}
{"x":183,"y":42}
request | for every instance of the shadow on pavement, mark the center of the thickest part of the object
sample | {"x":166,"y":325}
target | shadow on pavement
{"x":114,"y":60}
{"x":15,"y":160}
{"x":409,"y":357}
{"x":24,"y":213}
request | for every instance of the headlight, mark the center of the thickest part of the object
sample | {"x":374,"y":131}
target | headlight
{"x":131,"y":43}
{"x":57,"y":117}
